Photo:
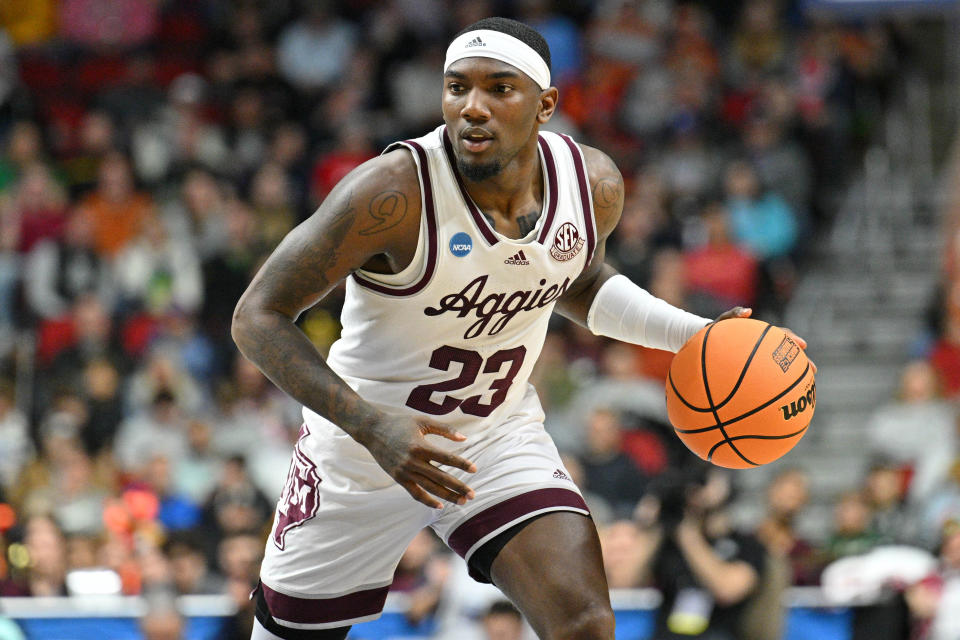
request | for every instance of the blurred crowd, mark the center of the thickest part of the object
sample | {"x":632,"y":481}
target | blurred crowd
{"x":153,"y":153}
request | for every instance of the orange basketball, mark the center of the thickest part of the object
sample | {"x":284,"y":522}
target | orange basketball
{"x":740,"y":393}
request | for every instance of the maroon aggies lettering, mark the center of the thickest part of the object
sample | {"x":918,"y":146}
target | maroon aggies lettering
{"x":298,"y":502}
{"x":494,"y":304}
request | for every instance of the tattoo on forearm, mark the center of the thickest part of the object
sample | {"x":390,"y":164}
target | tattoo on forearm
{"x":387,"y":209}
{"x":527,"y":223}
{"x":287,"y":357}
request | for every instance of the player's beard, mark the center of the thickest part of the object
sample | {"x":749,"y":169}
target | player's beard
{"x":480,"y":171}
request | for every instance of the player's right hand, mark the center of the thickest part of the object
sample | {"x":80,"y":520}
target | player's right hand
{"x":400,"y":446}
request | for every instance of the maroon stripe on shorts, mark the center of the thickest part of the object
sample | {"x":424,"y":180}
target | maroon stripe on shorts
{"x":489,"y":520}
{"x":286,"y":608}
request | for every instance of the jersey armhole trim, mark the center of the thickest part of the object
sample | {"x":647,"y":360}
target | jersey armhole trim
{"x":586,"y":201}
{"x":428,"y":213}
{"x":552,"y":187}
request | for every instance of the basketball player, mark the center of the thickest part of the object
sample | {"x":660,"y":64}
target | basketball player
{"x":455,"y":247}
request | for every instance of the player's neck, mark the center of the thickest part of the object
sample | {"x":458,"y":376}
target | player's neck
{"x":511,"y":192}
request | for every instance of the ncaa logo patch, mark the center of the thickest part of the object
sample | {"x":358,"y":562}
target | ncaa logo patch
{"x":461,"y":244}
{"x":567,"y":243}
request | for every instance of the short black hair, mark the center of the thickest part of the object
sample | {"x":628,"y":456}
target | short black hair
{"x":522,"y":32}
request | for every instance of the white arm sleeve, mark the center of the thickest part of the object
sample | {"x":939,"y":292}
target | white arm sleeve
{"x":624,"y":311}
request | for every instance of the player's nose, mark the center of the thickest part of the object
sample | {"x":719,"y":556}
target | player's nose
{"x":475,"y":108}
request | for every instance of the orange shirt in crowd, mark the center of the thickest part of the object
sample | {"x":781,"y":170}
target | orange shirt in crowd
{"x":115,"y":224}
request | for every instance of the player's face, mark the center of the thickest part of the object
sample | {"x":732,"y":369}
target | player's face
{"x":491,"y":110}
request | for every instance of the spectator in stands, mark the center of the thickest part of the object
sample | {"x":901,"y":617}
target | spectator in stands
{"x":705,"y":569}
{"x":236,"y":506}
{"x":9,"y":279}
{"x":58,"y":271}
{"x":45,"y":547}
{"x":117,"y":211}
{"x":190,"y":568}
{"x":940,"y":507}
{"x":609,"y":472}
{"x":852,"y":534}
{"x":162,"y":621}
{"x":179,"y":134}
{"x":890,"y":518}
{"x":722,"y":271}
{"x":626,"y":548}
{"x":351,"y":148}
{"x":196,"y":214}
{"x":16,"y":448}
{"x":787,"y":495}
{"x":177,"y":512}
{"x":272,"y":204}
{"x":781,"y":164}
{"x":421,"y":574}
{"x":902,"y":430}
{"x":761,"y":220}
{"x":502,"y":621}
{"x":38,"y":203}
{"x":313,"y":51}
{"x":161,"y":429}
{"x":934,"y":602}
{"x":945,"y":353}
{"x":24,"y":147}
{"x":158,"y":273}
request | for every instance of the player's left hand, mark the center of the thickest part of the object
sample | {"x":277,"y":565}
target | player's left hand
{"x":746,"y":312}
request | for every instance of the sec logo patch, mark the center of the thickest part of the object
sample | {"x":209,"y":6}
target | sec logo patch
{"x":461,"y":244}
{"x":567,"y":243}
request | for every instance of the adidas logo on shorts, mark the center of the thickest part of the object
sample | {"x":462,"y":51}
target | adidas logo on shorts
{"x":517,"y":258}
{"x":476,"y":42}
{"x":560,"y":475}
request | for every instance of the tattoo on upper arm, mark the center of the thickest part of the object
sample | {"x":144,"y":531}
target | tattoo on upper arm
{"x":608,"y":192}
{"x":388,"y":209}
{"x":527,"y":222}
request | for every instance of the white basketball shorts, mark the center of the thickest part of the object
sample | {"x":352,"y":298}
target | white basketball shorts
{"x":342,"y":523}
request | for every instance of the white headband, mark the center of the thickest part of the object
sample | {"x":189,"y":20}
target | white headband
{"x":484,"y":43}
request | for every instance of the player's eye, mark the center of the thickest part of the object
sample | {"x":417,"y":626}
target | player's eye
{"x":504,"y":88}
{"x":454,"y":87}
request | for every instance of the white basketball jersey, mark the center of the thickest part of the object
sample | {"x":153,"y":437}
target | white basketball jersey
{"x":455,"y":336}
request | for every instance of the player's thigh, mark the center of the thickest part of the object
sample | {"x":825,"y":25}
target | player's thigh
{"x":553,"y":571}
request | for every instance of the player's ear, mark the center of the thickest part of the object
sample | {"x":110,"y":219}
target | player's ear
{"x":548,"y":104}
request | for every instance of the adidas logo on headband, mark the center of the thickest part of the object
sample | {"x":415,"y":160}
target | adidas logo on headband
{"x":487,"y":43}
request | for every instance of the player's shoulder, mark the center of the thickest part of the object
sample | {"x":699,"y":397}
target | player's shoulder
{"x":600,"y":166}
{"x":607,"y":189}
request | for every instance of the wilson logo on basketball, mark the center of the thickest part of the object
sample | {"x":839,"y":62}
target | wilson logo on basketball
{"x":567,"y":243}
{"x":809,"y":399}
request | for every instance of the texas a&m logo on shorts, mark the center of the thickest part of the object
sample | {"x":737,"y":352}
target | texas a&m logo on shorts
{"x":298,"y":502}
{"x":567,"y":243}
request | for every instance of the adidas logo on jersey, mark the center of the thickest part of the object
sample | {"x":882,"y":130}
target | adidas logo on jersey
{"x":560,"y":475}
{"x":517,"y":258}
{"x":476,"y":42}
